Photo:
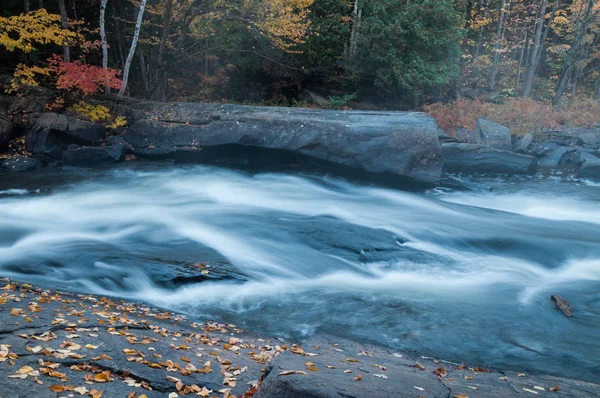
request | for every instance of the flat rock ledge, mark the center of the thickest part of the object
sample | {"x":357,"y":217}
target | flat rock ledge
{"x":401,"y":144}
{"x":67,"y":345}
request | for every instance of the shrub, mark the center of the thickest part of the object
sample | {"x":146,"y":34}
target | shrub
{"x":520,"y":115}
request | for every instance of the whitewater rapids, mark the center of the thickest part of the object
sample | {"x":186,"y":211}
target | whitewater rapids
{"x":457,"y":275}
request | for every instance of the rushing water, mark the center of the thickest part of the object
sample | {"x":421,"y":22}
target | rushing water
{"x":457,"y":275}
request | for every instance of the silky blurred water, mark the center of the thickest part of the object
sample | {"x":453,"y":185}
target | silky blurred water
{"x":465,"y":276}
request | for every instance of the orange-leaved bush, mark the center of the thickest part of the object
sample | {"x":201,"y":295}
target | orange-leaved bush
{"x":520,"y":115}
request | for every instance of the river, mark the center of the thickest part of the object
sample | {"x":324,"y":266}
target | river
{"x":459,"y":275}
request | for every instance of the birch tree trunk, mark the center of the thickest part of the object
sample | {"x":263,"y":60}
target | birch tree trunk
{"x":104,"y":43}
{"x":26,"y":6}
{"x":354,"y":34}
{"x":64,"y":23}
{"x":499,"y":36}
{"x":535,"y":49}
{"x":136,"y":37}
{"x":41,"y":3}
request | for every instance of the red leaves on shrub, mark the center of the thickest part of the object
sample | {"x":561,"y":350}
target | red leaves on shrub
{"x":77,"y":76}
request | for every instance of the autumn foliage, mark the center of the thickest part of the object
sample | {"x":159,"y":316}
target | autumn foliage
{"x":520,"y":115}
{"x":87,"y":79}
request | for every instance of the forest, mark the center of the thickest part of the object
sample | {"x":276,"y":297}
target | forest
{"x":452,"y":58}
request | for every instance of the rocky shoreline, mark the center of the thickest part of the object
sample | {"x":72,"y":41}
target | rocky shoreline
{"x":55,"y":344}
{"x":403,"y":146}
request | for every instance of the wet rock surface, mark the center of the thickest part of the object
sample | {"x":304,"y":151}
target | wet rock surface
{"x":56,"y":344}
{"x":332,"y":367}
{"x":59,"y":344}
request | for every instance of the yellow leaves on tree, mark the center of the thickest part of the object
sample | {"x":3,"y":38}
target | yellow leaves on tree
{"x":25,"y":31}
{"x":284,"y":22}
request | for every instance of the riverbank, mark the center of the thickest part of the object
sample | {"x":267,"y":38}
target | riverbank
{"x":56,"y":344}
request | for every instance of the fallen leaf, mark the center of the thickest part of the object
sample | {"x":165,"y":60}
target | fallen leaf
{"x":554,"y":389}
{"x":381,"y":376}
{"x":358,"y":378}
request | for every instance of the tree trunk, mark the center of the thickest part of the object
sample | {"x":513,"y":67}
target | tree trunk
{"x":574,"y":83}
{"x":499,"y":37}
{"x":354,"y":34}
{"x":480,"y":37}
{"x":26,"y":6}
{"x":136,"y":37}
{"x":120,"y":44}
{"x":64,"y":23}
{"x":160,"y":93}
{"x":74,"y":8}
{"x":144,"y":71}
{"x":573,"y":54}
{"x":41,"y":3}
{"x":525,"y":43}
{"x":535,"y":49}
{"x":104,"y":43}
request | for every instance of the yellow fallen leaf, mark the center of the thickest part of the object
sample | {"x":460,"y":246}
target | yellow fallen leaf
{"x":91,"y":347}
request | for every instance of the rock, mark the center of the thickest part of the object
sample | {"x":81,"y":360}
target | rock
{"x":401,"y":144}
{"x":22,"y":163}
{"x":523,"y":143}
{"x":94,"y":156}
{"x":540,"y":149}
{"x":6,"y":125}
{"x":554,"y":159}
{"x":51,"y":134}
{"x":98,"y":347}
{"x":494,"y":135}
{"x":357,"y":373}
{"x":562,"y":304}
{"x":590,"y":167}
{"x":573,"y":136}
{"x":470,"y":136}
{"x":472,"y":158}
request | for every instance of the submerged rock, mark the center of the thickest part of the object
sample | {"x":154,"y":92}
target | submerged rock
{"x":472,"y":158}
{"x":562,"y":304}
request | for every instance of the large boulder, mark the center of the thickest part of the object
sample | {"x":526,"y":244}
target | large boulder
{"x":494,"y":135}
{"x":402,"y":144}
{"x":94,"y":156}
{"x":473,"y":158}
{"x":51,"y":133}
{"x":590,"y":167}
